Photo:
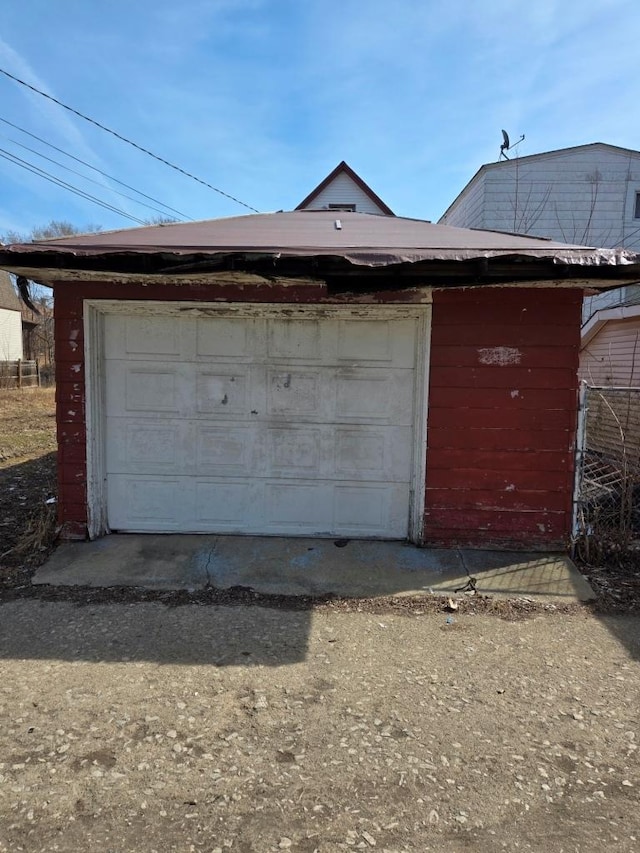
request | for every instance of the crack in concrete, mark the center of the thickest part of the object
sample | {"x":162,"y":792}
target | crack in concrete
{"x":210,"y":555}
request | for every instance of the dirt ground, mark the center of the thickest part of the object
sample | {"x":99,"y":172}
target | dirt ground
{"x":145,"y":728}
{"x":143,"y":721}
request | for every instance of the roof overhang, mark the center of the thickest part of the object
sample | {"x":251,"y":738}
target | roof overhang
{"x":352,"y":250}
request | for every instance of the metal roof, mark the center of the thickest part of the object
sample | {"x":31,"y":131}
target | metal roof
{"x":357,"y":241}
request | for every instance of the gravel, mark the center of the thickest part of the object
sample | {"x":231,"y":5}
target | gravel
{"x":142,"y":727}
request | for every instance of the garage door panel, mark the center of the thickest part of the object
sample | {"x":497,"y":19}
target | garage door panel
{"x":360,"y":452}
{"x":374,"y":396}
{"x":139,"y":337}
{"x":145,"y":503}
{"x":294,"y":393}
{"x":224,"y":392}
{"x":224,"y":337}
{"x":151,"y":390}
{"x":298,"y":507}
{"x":150,"y":444}
{"x":260,"y":425}
{"x":294,"y":451}
{"x":391,"y":341}
{"x":146,"y":388}
{"x":294,"y":341}
{"x":144,"y":446}
{"x":224,"y":450}
{"x":370,"y":509}
{"x":226,"y":505}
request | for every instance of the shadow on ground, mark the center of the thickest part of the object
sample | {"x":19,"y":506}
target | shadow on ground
{"x":195,"y":635}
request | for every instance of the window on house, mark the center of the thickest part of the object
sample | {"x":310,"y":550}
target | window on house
{"x":349,"y":207}
{"x":636,"y":210}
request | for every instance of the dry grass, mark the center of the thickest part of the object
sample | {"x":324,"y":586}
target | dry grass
{"x":27,"y":423}
{"x":27,"y":479}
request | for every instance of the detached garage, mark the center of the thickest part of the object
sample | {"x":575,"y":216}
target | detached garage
{"x":318,"y":372}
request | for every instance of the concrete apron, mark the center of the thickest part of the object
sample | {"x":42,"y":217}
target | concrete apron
{"x":314,"y":567}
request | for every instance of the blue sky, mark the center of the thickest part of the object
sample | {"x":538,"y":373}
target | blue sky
{"x":262,"y":98}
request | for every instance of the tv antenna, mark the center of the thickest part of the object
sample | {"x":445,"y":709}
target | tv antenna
{"x":507,"y":146}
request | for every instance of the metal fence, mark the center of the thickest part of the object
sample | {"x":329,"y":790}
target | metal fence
{"x":607,"y":487}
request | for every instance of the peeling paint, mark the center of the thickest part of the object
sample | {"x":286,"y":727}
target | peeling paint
{"x":515,"y":394}
{"x":510,"y":488}
{"x":501,"y":356}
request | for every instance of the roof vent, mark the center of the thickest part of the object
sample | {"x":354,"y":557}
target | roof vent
{"x":338,"y":225}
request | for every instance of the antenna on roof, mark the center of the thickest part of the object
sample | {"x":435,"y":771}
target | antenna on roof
{"x":507,"y":146}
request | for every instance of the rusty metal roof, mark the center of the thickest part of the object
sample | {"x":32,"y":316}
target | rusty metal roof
{"x":354,"y":239}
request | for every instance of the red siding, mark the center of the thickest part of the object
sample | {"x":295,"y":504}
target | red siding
{"x":502,"y":416}
{"x":70,"y":412}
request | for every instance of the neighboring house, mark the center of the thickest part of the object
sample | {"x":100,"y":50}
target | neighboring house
{"x":610,"y":352}
{"x":10,"y":321}
{"x":589,"y":194}
{"x":318,"y":372}
{"x":343,"y":189}
{"x":610,"y":357}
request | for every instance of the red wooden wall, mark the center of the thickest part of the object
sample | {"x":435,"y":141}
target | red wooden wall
{"x":502,"y":417}
{"x":70,"y":412}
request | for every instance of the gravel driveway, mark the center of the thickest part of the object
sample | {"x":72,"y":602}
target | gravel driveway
{"x":142,"y":727}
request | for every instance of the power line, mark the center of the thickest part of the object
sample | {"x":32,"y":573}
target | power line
{"x":95,"y":168}
{"x":83,"y":176}
{"x":41,"y":173}
{"x":128,"y":141}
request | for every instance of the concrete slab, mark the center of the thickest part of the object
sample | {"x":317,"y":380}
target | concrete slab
{"x":281,"y":566}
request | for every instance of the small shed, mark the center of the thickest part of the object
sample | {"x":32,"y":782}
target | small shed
{"x":319,"y":372}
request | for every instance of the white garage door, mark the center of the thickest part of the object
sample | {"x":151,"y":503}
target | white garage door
{"x":260,"y":425}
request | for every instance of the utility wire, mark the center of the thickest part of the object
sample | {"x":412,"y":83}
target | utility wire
{"x":95,"y":168}
{"x":41,"y":173}
{"x":83,"y":176}
{"x":124,"y":139}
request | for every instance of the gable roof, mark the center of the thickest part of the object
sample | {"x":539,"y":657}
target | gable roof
{"x":320,"y":244}
{"x":8,"y":296}
{"x":533,"y":158}
{"x":344,"y":169}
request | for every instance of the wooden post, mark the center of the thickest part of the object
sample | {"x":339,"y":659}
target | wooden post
{"x":39,"y":382}
{"x":19,"y":373}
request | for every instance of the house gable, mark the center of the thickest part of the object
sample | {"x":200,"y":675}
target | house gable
{"x":589,"y":195}
{"x":344,"y":189}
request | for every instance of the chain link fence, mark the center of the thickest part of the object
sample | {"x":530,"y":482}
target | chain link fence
{"x":607,"y":490}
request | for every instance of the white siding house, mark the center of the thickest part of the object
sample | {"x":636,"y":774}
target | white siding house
{"x":589,"y":195}
{"x":343,"y":189}
{"x":10,"y":321}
